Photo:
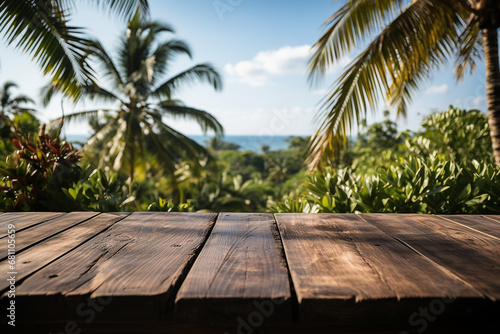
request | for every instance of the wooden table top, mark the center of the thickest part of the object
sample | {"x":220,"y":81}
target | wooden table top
{"x":145,"y":272}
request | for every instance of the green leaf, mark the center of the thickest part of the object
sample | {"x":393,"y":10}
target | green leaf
{"x":438,"y":190}
{"x":465,"y":192}
{"x":477,"y":200}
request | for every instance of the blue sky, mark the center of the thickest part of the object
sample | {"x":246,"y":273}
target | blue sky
{"x":261,"y":48}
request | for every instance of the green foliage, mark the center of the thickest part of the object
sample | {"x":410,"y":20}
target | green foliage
{"x":35,"y":171}
{"x":136,"y":131}
{"x":384,"y":171}
{"x":216,"y":144}
{"x":100,"y":191}
{"x":290,"y":205}
{"x":41,"y":28}
{"x":457,"y":134}
{"x":445,"y":168}
{"x":432,"y":185}
{"x":168,"y":206}
{"x":411,"y":39}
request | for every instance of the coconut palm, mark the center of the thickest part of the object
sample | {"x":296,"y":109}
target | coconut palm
{"x":137,"y":84}
{"x":417,"y":37}
{"x":13,"y":105}
{"x":41,"y":29}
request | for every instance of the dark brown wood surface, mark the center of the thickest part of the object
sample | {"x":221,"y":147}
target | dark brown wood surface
{"x":138,"y":262}
{"x":23,"y":220}
{"x":475,"y":223}
{"x":240,"y":270}
{"x":253,"y":273}
{"x":43,"y":253}
{"x":471,"y":255}
{"x":48,"y":228}
{"x":354,"y":269}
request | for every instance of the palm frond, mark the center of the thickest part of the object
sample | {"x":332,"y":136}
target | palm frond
{"x":206,"y":120}
{"x":177,"y":140}
{"x":108,"y":68}
{"x":393,"y":65}
{"x":41,"y":29}
{"x":164,"y":54}
{"x":470,"y":46}
{"x":124,"y":8}
{"x":351,"y":25}
{"x":201,"y":72}
{"x":95,"y":93}
{"x":77,"y":116}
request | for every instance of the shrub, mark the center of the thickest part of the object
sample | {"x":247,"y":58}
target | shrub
{"x":35,"y":171}
{"x":433,"y":185}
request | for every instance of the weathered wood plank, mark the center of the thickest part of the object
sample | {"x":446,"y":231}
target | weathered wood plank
{"x":471,"y":255}
{"x":495,"y":218}
{"x":134,"y":268}
{"x":34,"y":235}
{"x":357,"y":273}
{"x":43,"y":253}
{"x":477,"y":223}
{"x":241,"y":270}
{"x":23,"y":220}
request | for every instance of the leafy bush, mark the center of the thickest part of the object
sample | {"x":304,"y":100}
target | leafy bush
{"x":433,"y":185}
{"x":43,"y":175}
{"x":100,"y":191}
{"x":169,"y":206}
{"x":36,"y":171}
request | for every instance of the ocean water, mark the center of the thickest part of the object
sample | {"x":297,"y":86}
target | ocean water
{"x":247,"y":143}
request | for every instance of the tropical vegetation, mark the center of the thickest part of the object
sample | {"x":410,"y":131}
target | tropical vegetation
{"x":135,"y":133}
{"x":135,"y":160}
{"x":440,"y":169}
{"x":41,"y":28}
{"x":415,"y":39}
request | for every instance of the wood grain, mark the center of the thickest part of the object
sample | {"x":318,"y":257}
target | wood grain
{"x":469,"y":254}
{"x":137,"y":264}
{"x":374,"y":273}
{"x":240,"y":271}
{"x":45,"y":252}
{"x":47,"y":229}
{"x":357,"y":273}
{"x":23,"y":220}
{"x":476,"y":223}
{"x":495,"y":218}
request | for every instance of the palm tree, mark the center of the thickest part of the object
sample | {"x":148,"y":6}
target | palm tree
{"x":417,"y":37}
{"x":40,"y":28}
{"x":13,"y":105}
{"x":136,"y":80}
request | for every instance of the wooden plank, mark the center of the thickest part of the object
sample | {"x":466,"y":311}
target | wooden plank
{"x":476,"y":223}
{"x":50,"y":249}
{"x":34,"y":235}
{"x":471,"y":255}
{"x":356,"y":273}
{"x":495,"y":218}
{"x":136,"y":266}
{"x":23,"y":220}
{"x":240,"y":270}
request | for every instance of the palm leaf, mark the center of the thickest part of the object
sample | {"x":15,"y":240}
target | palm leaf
{"x":76,"y":116}
{"x":41,"y":29}
{"x":393,"y":65}
{"x":203,"y":118}
{"x":201,"y":72}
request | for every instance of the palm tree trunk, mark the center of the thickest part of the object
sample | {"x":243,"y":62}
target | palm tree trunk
{"x":490,"y":36}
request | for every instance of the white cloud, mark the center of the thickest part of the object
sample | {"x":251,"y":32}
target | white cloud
{"x":257,"y":72}
{"x":478,"y":101}
{"x":442,"y":89}
{"x":321,"y":92}
{"x":266,"y":64}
